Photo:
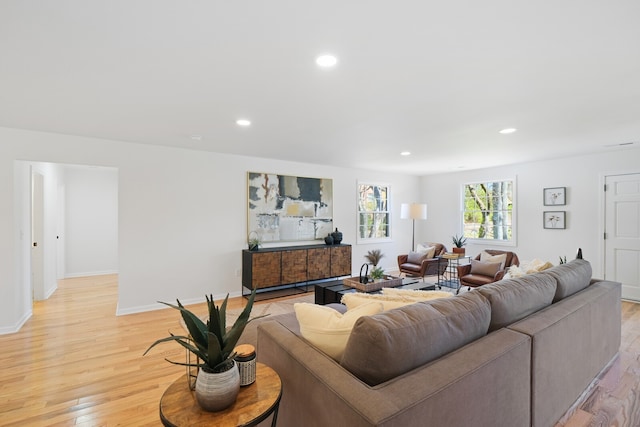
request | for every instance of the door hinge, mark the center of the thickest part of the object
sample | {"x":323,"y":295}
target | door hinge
{"x":605,"y":187}
{"x":605,"y":236}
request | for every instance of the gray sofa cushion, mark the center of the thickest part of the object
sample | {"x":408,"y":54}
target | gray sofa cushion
{"x":515,"y":299}
{"x":389,"y":344}
{"x":572,"y":277}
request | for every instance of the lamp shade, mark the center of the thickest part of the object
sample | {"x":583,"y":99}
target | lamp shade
{"x":413,"y":211}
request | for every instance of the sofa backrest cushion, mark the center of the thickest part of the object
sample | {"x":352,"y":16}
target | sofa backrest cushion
{"x":389,"y":344}
{"x":515,"y":299}
{"x":572,"y":277}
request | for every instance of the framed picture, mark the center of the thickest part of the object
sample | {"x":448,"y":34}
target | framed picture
{"x":555,"y":220}
{"x":283,"y":208}
{"x":555,"y":196}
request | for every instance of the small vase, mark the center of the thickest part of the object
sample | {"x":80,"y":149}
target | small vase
{"x":328,"y":240}
{"x":337,"y":237}
{"x":219,"y":390}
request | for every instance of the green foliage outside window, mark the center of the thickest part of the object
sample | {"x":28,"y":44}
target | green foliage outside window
{"x":489,"y":210}
{"x":373,"y":211}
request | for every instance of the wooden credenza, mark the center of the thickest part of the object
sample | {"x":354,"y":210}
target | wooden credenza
{"x":289,"y":265}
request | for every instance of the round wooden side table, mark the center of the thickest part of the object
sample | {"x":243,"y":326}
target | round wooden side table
{"x":178,"y":405}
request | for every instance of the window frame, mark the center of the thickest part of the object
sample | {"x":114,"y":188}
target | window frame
{"x":387,"y":212}
{"x":485,"y":241}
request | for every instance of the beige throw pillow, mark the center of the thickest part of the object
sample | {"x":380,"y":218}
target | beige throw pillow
{"x":429,"y":251}
{"x":485,"y":268}
{"x":416,"y":294}
{"x":502,"y":258}
{"x":389,"y":299}
{"x":328,"y":329}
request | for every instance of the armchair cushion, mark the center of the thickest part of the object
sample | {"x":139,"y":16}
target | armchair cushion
{"x":416,"y":257}
{"x":501,"y":258}
{"x":485,"y":268}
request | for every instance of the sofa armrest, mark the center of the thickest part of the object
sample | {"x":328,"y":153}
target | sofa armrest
{"x":320,"y":392}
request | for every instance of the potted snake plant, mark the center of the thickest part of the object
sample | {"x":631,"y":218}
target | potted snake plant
{"x":458,"y":244}
{"x":218,"y":380}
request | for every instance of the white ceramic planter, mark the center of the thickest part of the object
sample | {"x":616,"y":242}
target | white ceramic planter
{"x":217,"y":391}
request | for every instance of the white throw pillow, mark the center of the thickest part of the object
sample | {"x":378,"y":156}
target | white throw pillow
{"x":487,"y":257}
{"x":328,"y":329}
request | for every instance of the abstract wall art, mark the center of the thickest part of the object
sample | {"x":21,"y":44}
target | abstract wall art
{"x":285,"y":208}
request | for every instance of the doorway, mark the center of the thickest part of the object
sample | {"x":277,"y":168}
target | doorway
{"x":37,"y":236}
{"x":622,"y":232}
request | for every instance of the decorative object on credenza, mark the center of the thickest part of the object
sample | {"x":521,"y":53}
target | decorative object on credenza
{"x":458,"y":244}
{"x":253,"y":241}
{"x":289,"y":208}
{"x":555,"y":196}
{"x":218,"y":381}
{"x":374,"y":256}
{"x":413,"y":211}
{"x":554,"y":220}
{"x":329,"y":239}
{"x":337,"y":237}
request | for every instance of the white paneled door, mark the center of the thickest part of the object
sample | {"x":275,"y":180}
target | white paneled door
{"x":622,"y":233}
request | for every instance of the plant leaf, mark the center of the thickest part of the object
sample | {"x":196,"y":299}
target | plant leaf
{"x":233,"y":335}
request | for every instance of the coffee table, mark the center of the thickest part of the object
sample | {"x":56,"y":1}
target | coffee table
{"x":178,"y":405}
{"x":332,"y":292}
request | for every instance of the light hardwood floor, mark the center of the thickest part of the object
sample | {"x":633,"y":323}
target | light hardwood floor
{"x":75,"y":363}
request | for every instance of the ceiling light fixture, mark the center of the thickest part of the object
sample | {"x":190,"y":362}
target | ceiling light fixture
{"x":243,"y":122}
{"x":405,"y":153}
{"x":196,"y":137}
{"x":508,"y":131}
{"x":326,"y":61}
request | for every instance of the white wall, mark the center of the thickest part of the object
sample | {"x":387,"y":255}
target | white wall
{"x":181,"y":216}
{"x":583,"y":177}
{"x":91,"y":221}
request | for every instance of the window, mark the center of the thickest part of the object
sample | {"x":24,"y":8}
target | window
{"x":373,"y":212}
{"x":489,"y":211}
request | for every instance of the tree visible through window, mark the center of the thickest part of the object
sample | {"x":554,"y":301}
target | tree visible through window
{"x":489,"y":211}
{"x":373,"y":212}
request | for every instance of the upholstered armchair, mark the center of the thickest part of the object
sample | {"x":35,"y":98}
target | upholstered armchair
{"x":423,"y":263}
{"x":488,"y":267}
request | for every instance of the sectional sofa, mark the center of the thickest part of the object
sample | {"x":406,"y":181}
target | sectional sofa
{"x":518,"y":352}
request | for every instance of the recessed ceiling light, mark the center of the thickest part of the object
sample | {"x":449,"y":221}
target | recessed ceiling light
{"x":196,"y":137}
{"x":405,"y":153}
{"x":508,"y":131}
{"x":326,"y":61}
{"x":243,"y":122}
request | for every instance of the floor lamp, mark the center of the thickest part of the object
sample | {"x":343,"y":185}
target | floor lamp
{"x":413,"y":211}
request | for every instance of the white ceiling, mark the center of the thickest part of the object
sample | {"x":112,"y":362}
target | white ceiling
{"x":438,"y":79}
